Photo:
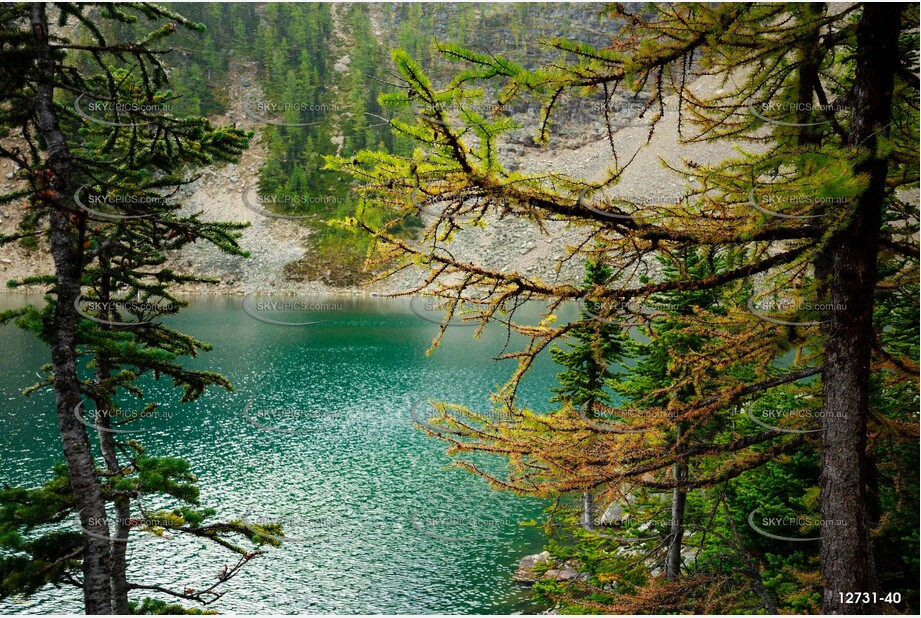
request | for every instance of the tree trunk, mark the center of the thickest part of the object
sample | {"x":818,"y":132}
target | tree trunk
{"x":679,"y":502}
{"x":588,"y":499}
{"x":67,"y":256}
{"x":588,"y":510}
{"x":847,"y":270}
{"x":809,"y":59}
{"x":119,"y":546}
{"x":104,"y":406}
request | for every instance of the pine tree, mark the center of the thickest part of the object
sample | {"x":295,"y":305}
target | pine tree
{"x":100,"y":183}
{"x":654,"y":380}
{"x":584,"y":383}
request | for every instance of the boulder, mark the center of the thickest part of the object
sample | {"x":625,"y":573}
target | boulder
{"x":529,"y":567}
{"x":564,"y":574}
{"x":525,"y":572}
{"x":613,"y":515}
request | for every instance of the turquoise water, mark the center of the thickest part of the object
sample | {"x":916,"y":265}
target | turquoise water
{"x":316,"y":435}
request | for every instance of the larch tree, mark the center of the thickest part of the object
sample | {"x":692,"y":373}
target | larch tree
{"x":811,"y":217}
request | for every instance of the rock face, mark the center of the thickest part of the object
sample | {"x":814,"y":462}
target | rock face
{"x":530,"y":567}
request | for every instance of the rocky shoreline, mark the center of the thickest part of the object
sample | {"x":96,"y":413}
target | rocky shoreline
{"x":543,"y":566}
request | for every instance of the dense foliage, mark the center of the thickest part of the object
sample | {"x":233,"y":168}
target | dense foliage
{"x":779,"y":383}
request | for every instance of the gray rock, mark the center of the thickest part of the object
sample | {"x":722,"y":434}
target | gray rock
{"x":525,"y":572}
{"x":558,"y":571}
{"x":612,"y":515}
{"x":564,"y":574}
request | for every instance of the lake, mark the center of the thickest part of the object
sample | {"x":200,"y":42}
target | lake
{"x":318,"y":436}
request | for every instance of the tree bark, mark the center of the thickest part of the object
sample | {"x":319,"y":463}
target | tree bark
{"x":809,"y":60}
{"x":847,"y":271}
{"x":104,"y":406}
{"x":679,"y":503}
{"x":119,"y":546}
{"x":588,"y":510}
{"x":67,"y":257}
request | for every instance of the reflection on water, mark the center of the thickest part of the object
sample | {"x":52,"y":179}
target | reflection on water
{"x":316,"y":435}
